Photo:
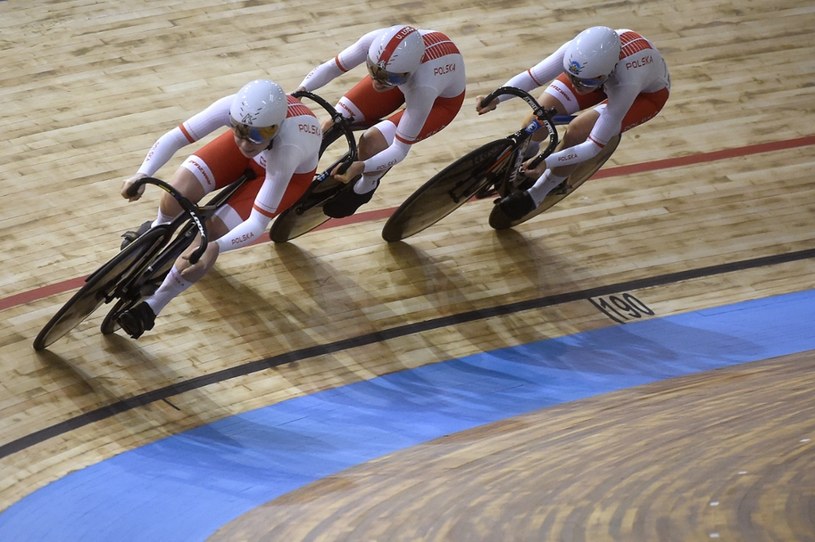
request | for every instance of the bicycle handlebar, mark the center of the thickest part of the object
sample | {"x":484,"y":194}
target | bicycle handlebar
{"x":189,"y":207}
{"x":543,"y":118}
{"x":538,"y":110}
{"x":345,"y":126}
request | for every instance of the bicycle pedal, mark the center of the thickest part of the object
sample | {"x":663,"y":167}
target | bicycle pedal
{"x":127,"y":238}
{"x":130,"y":236}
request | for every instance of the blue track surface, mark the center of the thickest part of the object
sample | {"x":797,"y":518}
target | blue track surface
{"x":186,"y":486}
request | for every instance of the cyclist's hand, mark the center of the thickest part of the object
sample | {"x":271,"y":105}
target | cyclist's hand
{"x":482,"y":108}
{"x":130,"y":182}
{"x":327,"y":124}
{"x":194,"y":271}
{"x":295,"y":91}
{"x":353,"y":171}
{"x":533,"y":172}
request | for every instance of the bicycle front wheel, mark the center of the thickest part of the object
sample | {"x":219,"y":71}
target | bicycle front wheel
{"x":582,"y":173}
{"x":450,"y":189}
{"x":99,"y":288}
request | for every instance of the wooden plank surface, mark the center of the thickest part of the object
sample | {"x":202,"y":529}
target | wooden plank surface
{"x":87,"y":87}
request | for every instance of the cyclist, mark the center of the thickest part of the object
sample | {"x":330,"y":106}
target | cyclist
{"x":618,"y":69}
{"x":420,"y":69}
{"x":271,"y":133}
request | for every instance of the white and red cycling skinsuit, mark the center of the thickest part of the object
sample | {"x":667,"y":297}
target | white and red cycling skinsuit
{"x":634,"y":93}
{"x":432,"y":95}
{"x":284,"y":171}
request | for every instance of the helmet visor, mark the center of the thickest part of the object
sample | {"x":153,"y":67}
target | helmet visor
{"x":587,"y":84}
{"x":384,"y":77}
{"x":254,"y":134}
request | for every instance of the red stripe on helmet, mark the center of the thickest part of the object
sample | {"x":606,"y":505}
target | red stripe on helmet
{"x":394,"y":42}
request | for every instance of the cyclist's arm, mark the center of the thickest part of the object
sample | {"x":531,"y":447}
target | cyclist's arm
{"x":608,"y":125}
{"x":538,"y":75}
{"x":278,"y":175}
{"x":245,"y":233}
{"x":574,"y":155}
{"x":193,"y":129}
{"x":388,"y":158}
{"x":162,"y":150}
{"x":419,"y":104}
{"x":347,"y":59}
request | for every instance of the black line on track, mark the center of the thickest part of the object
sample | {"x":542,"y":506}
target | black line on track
{"x":163,"y":394}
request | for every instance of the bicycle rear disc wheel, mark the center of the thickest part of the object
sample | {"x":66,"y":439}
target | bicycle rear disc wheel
{"x":98,"y":288}
{"x":449,"y":189}
{"x":306,"y":214}
{"x":583,"y":172}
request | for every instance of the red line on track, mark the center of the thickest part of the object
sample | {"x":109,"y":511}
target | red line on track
{"x":368,"y":216}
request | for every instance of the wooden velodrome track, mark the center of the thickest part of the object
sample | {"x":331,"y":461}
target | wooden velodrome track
{"x":709,"y":204}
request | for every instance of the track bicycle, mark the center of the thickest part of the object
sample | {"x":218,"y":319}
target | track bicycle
{"x":493,"y":167}
{"x":140,"y":267}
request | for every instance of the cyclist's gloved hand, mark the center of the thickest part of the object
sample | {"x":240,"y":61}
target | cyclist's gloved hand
{"x":482,"y":108}
{"x":534,"y":172}
{"x":127,"y":183}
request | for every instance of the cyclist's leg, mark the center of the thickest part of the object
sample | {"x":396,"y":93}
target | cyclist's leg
{"x":644,"y":108}
{"x":365,"y":105}
{"x":562,"y":96}
{"x":378,"y":138}
{"x":382,"y":135}
{"x":362,"y":104}
{"x":241,"y":203}
{"x":211,"y":167}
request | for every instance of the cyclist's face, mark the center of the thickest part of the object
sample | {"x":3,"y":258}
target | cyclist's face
{"x":252,"y":140}
{"x":586,"y":86}
{"x":381,"y":87}
{"x":247,"y":147}
{"x":384,"y":80}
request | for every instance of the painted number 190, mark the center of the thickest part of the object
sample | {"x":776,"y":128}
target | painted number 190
{"x":621,"y":308}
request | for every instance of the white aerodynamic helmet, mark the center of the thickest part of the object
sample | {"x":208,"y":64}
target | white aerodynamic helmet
{"x":258,"y":110}
{"x":591,"y":56}
{"x":395,"y":54}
